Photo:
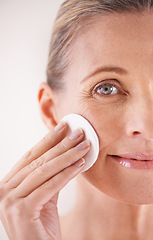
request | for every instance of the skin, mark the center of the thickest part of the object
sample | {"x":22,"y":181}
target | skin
{"x":124,"y":124}
{"x":114,"y":202}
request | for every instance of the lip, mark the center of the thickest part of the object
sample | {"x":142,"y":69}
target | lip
{"x":135,"y":162}
{"x":137,"y":156}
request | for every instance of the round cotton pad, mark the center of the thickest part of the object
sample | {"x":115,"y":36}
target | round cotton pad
{"x":75,"y":121}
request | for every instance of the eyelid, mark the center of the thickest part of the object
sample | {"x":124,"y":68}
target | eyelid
{"x":110,"y":81}
{"x":107,"y":81}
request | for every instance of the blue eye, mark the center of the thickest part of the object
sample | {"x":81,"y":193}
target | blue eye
{"x":107,"y":89}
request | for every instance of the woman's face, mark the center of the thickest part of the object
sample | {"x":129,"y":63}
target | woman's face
{"x":110,"y":83}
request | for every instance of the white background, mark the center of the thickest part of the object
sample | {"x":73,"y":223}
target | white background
{"x":25,"y":31}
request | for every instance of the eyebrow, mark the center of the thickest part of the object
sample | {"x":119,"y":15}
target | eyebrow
{"x":115,"y":69}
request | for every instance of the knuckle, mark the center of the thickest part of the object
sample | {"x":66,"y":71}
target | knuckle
{"x":10,"y":207}
{"x":36,"y":163}
{"x":19,"y":207}
{"x":28,"y":155}
{"x":6,"y":204}
{"x":41,"y":170}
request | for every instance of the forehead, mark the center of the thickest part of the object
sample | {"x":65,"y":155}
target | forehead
{"x":114,"y":36}
{"x":117,"y":25}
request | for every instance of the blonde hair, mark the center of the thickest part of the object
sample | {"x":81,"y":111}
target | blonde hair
{"x":71,"y":15}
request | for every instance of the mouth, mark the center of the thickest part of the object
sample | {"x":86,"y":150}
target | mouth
{"x":131,"y":158}
{"x":133,"y":163}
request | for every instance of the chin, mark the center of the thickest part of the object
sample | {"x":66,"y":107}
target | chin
{"x":129,"y":198}
{"x":132,"y":190}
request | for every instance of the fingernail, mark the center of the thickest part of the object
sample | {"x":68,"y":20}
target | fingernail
{"x":75,"y":134}
{"x":80,"y":162}
{"x":59,"y":126}
{"x":83,"y":145}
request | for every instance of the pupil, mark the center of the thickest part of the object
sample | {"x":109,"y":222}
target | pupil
{"x":107,"y":90}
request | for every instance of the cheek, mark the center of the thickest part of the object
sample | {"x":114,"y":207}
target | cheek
{"x":108,"y":121}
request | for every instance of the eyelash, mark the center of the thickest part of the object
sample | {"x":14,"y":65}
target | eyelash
{"x":94,"y":91}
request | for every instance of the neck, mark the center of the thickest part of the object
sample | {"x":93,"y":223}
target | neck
{"x":100,"y":217}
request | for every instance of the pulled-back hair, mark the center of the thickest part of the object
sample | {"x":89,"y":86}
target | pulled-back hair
{"x":71,"y":15}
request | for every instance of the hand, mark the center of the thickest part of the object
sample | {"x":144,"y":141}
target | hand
{"x":29,"y":193}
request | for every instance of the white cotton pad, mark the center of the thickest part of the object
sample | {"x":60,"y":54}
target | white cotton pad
{"x":75,"y":121}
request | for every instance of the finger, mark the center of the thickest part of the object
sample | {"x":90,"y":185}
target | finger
{"x":45,"y":172}
{"x":38,"y":198}
{"x":49,"y":141}
{"x":66,"y":144}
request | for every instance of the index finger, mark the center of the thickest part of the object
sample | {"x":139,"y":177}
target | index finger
{"x":49,"y":141}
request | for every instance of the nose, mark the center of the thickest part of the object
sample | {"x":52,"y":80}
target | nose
{"x":140,"y":121}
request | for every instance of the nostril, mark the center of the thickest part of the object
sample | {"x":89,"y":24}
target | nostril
{"x":136,"y":133}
